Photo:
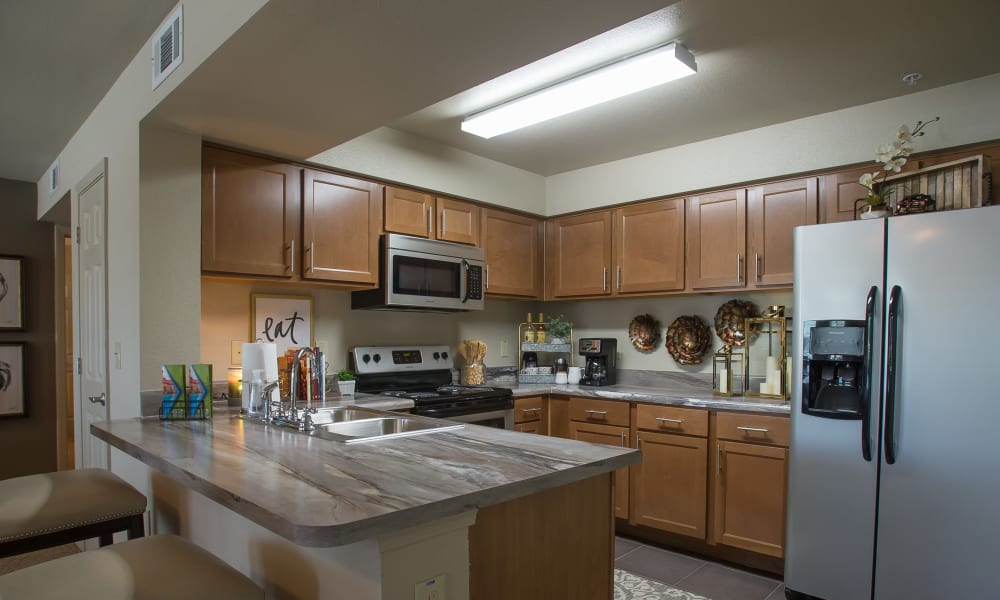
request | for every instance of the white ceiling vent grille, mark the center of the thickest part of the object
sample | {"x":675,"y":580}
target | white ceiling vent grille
{"x":168,"y":46}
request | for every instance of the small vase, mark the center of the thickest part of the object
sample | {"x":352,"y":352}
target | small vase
{"x":874,"y":212}
{"x":346,"y":388}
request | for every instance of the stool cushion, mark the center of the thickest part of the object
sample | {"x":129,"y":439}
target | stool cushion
{"x":37,"y":504}
{"x":161,"y":567}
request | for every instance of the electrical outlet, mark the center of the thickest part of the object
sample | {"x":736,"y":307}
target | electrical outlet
{"x":236,"y":352}
{"x":504,"y":348}
{"x":431,"y":589}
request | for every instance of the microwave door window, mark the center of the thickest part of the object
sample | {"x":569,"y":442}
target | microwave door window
{"x":424,"y":277}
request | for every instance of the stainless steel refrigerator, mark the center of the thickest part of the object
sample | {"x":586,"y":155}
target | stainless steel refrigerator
{"x":894,"y":468}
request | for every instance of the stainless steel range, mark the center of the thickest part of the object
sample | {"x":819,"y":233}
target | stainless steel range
{"x":423,"y":374}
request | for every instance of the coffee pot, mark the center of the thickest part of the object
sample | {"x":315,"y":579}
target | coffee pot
{"x":601,"y":358}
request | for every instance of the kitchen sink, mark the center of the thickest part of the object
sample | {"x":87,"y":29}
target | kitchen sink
{"x":352,"y":425}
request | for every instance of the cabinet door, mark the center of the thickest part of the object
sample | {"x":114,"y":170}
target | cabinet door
{"x":716,"y":240}
{"x":773,"y":212}
{"x":838,"y":191}
{"x":409,"y":211}
{"x":608,"y":435}
{"x":670,"y":485}
{"x":531,"y":411}
{"x":340,"y":228}
{"x":559,"y":417}
{"x":250,"y":209}
{"x":513,"y":247}
{"x":458,"y":221}
{"x":749,"y":491}
{"x":649,"y":247}
{"x":578,"y":255}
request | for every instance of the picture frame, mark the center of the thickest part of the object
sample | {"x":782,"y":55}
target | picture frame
{"x":285,"y":320}
{"x":13,"y":385}
{"x":11,"y":293}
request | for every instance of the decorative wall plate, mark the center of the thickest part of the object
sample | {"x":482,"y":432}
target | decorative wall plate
{"x":644,"y":332}
{"x":729,"y":321}
{"x":688,"y":339}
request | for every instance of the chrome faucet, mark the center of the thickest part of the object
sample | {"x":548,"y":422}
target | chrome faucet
{"x":292,"y":416}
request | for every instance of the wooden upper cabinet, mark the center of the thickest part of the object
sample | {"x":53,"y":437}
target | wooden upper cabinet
{"x":838,"y":191}
{"x":250,"y":209}
{"x":649,"y":247}
{"x":340,"y":228}
{"x":716,"y":240}
{"x":773,"y":213}
{"x":513,"y":247}
{"x":458,"y":221}
{"x":578,"y":255}
{"x":409,"y":211}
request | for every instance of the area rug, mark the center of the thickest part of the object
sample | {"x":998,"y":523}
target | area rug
{"x":629,"y":586}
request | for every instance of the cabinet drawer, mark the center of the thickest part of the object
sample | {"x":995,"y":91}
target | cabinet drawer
{"x":528,"y":409}
{"x":672,"y":419}
{"x":758,"y":429}
{"x":608,"y":412}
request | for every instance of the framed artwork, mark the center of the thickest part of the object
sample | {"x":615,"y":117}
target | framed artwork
{"x":12,"y":383}
{"x":11,"y":293}
{"x":284,"y":320}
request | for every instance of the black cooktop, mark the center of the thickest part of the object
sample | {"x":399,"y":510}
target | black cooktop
{"x":450,"y":393}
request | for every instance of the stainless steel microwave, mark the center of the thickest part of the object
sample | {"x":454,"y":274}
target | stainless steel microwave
{"x":426,"y":275}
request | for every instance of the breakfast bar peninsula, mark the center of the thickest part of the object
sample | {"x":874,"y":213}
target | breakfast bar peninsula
{"x":472,"y":512}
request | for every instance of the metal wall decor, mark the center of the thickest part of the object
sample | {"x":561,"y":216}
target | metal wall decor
{"x":730,"y":321}
{"x":688,"y":339}
{"x":644,"y":332}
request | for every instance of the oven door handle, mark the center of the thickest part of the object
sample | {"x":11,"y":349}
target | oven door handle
{"x":464,"y":281}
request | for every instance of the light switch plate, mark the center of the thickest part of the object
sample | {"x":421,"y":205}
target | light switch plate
{"x":431,"y":589}
{"x":504,"y":348}
{"x":236,"y":352}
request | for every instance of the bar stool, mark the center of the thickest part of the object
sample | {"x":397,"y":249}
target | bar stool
{"x":164,"y":567}
{"x":51,"y":509}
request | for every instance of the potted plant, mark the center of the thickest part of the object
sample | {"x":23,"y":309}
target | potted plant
{"x":558,"y":329}
{"x":345,"y":383}
{"x":892,"y":156}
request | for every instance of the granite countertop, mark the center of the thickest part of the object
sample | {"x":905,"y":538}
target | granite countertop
{"x":319,"y":493}
{"x":677,"y":389}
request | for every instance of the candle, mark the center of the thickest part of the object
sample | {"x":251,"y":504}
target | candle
{"x":788,"y":376}
{"x":776,"y":381}
{"x":769,"y":370}
{"x":723,"y":381}
{"x":765,"y":388}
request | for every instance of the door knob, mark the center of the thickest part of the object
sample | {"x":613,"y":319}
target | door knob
{"x":99,"y":399}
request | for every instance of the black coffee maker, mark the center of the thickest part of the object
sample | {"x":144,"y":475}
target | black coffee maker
{"x":601,"y":357}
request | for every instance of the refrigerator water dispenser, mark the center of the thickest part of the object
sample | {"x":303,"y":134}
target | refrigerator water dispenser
{"x":834,"y":383}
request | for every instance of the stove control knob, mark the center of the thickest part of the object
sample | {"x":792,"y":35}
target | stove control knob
{"x":377,"y":357}
{"x":367,"y":358}
{"x":437,"y":356}
{"x":444,"y":355}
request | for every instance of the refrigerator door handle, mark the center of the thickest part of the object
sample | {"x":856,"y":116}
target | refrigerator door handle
{"x":866,"y":388}
{"x":889,"y":427}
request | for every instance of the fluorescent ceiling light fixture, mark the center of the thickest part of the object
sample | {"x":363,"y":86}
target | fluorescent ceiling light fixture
{"x":621,"y":78}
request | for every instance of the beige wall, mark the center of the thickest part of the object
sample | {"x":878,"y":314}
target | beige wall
{"x":967,"y":111}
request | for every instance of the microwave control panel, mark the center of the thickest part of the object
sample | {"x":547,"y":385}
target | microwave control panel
{"x":474,"y":283}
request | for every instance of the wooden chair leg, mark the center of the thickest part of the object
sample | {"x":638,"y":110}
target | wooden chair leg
{"x":136,"y":527}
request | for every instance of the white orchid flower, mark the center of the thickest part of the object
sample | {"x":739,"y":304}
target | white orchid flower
{"x":895,"y":164}
{"x":884,"y":153}
{"x":868,"y":179}
{"x":904,"y":135}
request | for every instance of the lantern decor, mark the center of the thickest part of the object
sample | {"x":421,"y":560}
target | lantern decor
{"x":727,"y":372}
{"x":767,"y":356}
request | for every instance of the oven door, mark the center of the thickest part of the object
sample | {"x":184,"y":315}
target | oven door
{"x":500,"y":419}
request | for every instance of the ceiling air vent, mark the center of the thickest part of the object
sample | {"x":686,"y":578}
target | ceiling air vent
{"x":168,"y":47}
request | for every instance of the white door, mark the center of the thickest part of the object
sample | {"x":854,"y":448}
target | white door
{"x":92,"y":402}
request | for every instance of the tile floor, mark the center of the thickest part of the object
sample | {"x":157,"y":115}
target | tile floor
{"x":694,"y":575}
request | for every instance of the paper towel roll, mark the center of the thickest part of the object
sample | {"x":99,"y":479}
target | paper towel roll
{"x":259,"y":356}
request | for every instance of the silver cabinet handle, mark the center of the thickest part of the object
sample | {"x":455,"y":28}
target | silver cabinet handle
{"x":102,"y":399}
{"x":718,"y":458}
{"x":442,"y":223}
{"x":638,"y":442}
{"x":754,"y":429}
{"x":739,"y":268}
{"x":312,"y":256}
{"x":531,"y":410}
{"x":618,"y":277}
{"x":595,"y":412}
{"x":291,"y":256}
{"x":604,"y":284}
{"x":623,"y":439}
{"x":756,"y":265}
{"x":666,"y":420}
{"x":487,"y":269}
{"x":430,"y":221}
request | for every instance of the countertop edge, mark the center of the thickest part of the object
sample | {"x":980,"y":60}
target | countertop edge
{"x":625,"y":393}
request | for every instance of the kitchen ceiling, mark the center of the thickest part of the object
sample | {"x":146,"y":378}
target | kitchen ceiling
{"x":302,"y":76}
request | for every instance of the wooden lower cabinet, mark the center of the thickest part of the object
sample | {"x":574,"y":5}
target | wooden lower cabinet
{"x":750,"y":479}
{"x":530,"y":415}
{"x":610,"y":435}
{"x":670,"y":485}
